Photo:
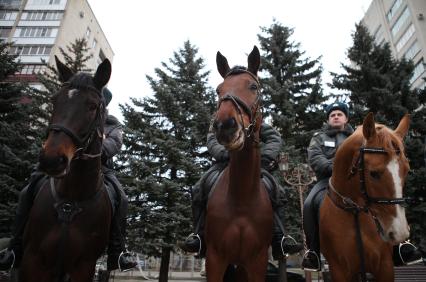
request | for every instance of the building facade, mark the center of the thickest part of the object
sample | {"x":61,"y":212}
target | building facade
{"x":402,"y":23}
{"x":38,"y":28}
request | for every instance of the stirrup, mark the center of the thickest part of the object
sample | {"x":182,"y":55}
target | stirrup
{"x":13,"y":254}
{"x":318,"y":260}
{"x":118,"y":261}
{"x":401,"y":257}
{"x":199,"y":240}
{"x":282,"y":243}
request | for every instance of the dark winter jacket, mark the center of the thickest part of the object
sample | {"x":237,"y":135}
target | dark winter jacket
{"x":323,"y":147}
{"x":113,"y":140}
{"x":271,"y":144}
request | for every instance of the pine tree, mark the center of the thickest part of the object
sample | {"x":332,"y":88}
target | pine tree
{"x":20,"y":135}
{"x":165,"y":153}
{"x":377,"y":82}
{"x":291,"y":94}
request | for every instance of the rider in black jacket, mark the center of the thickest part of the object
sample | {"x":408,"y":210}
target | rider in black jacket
{"x":118,"y":257}
{"x":271,"y":144}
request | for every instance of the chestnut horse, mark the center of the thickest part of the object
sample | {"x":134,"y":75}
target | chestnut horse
{"x":361,"y":217}
{"x":68,"y":226}
{"x":239,"y":213}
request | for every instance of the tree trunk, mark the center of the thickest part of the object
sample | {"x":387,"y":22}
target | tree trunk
{"x":164,"y":266}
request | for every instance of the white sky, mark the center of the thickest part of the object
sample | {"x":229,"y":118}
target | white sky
{"x":144,"y":33}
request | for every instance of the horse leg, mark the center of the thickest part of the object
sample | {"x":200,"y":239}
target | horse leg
{"x":256,"y":268}
{"x":215,"y":267}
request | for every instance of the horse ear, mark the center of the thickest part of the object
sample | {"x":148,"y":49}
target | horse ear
{"x":254,"y":61}
{"x":64,"y":72}
{"x":222,"y":64}
{"x":369,"y":127}
{"x":102,"y":75}
{"x":403,"y":126}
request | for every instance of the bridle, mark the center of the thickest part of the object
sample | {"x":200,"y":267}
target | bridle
{"x":349,"y":205}
{"x":241,"y":106}
{"x":82,"y":143}
{"x":359,"y":166}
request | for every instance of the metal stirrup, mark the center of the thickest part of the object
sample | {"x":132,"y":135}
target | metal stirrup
{"x":13,"y":254}
{"x":282,"y":243}
{"x":199,"y":240}
{"x":402,"y":258}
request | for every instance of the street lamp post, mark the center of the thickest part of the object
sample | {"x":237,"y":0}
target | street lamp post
{"x":297,"y":175}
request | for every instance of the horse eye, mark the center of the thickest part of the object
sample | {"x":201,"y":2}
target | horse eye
{"x":253,"y":87}
{"x":92,"y":106}
{"x":375,"y":174}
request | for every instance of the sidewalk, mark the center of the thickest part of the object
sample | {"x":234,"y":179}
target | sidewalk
{"x":133,"y":276}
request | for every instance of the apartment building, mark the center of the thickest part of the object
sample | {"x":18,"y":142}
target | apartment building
{"x":38,"y":28}
{"x":402,"y":23}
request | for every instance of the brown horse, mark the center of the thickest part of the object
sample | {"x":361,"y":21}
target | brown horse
{"x":361,"y":217}
{"x":68,"y":226}
{"x":239,"y":212}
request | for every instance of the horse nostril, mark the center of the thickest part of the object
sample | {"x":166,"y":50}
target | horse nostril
{"x":63,"y":160}
{"x":391,"y":235}
{"x":230,"y":123}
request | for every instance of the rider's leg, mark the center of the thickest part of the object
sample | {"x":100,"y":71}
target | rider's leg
{"x":11,"y":257}
{"x":281,"y":244}
{"x":194,"y":243}
{"x":406,"y":254}
{"x":118,"y":256}
{"x":311,"y":260}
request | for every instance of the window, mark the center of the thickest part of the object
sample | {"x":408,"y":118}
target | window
{"x":393,"y":9}
{"x":405,"y":37}
{"x":36,"y":32}
{"x":8,"y":16}
{"x":4,"y":32}
{"x":378,"y":35}
{"x":94,"y":43}
{"x":87,"y":33}
{"x":45,"y":16}
{"x":31,"y":69}
{"x":418,"y":70}
{"x":400,"y":22}
{"x":31,"y":50}
{"x":412,"y":51}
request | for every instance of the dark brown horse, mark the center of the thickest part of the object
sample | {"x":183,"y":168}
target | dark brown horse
{"x":239,"y":212}
{"x":68,"y":227}
{"x":361,"y":217}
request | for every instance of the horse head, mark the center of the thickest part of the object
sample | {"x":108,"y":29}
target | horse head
{"x":238,"y":113}
{"x":379,"y":159}
{"x":76,"y":125}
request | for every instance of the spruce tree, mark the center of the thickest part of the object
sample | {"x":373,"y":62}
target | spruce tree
{"x":377,"y":82}
{"x":291,"y":94}
{"x":165,"y":153}
{"x":20,"y":135}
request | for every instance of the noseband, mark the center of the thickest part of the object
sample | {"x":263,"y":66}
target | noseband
{"x":83,"y":143}
{"x":241,"y":106}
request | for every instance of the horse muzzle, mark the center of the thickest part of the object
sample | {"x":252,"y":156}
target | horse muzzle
{"x":229,"y":133}
{"x":53,"y":165}
{"x":398,"y":230}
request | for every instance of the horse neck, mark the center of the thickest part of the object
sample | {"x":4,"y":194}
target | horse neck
{"x":84,"y":178}
{"x":244,"y":171}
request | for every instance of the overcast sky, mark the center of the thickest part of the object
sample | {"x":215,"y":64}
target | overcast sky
{"x":144,"y":33}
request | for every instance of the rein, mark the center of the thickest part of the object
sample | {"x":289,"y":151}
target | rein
{"x":347,"y":204}
{"x":241,"y":106}
{"x":83,"y":143}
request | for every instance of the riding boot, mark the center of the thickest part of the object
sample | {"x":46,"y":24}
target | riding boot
{"x":406,"y":254}
{"x":118,"y":256}
{"x":11,"y":257}
{"x":194,"y":243}
{"x":282,"y":245}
